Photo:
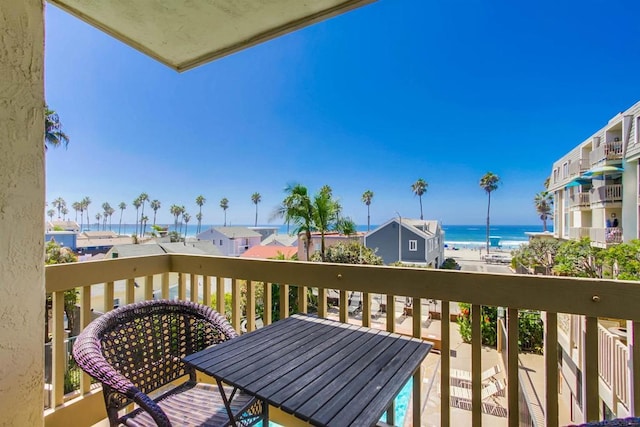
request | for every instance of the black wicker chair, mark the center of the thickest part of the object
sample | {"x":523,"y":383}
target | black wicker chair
{"x":137,"y":350}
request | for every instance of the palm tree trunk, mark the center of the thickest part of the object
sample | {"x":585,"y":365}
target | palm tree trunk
{"x":421,"y":217}
{"x":120,"y":224}
{"x":488,"y":208}
{"x":368,"y":219}
{"x":256,"y":222}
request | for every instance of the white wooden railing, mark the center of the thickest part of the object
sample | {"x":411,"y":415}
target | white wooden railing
{"x":199,"y":277}
{"x":621,"y":372}
{"x":576,"y":233}
{"x":580,"y":200}
{"x":607,"y":151}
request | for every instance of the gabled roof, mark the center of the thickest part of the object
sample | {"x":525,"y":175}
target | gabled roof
{"x":237,"y":232}
{"x":269,"y":252}
{"x":206,"y":248}
{"x":282,"y":239}
{"x":125,"y":251}
{"x":98,"y":235}
{"x":425,"y":228}
{"x":64,"y":224}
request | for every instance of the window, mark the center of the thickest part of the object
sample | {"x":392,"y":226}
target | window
{"x":565,"y":169}
{"x":413,"y":245}
{"x":636,"y":130}
{"x":220,"y":242}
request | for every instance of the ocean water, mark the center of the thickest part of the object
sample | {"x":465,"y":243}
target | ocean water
{"x":465,"y":236}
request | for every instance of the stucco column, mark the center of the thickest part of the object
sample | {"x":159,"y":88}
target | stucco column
{"x":21,"y":212}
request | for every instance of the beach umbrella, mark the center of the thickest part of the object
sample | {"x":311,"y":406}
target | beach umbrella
{"x":578,"y":181}
{"x":603,"y":170}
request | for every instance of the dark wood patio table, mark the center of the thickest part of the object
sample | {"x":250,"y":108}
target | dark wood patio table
{"x":322,"y":371}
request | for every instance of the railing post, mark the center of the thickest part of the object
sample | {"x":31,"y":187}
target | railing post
{"x":551,"y":368}
{"x":130,"y":294}
{"x":235,"y":304}
{"x":322,"y":302}
{"x":633,"y":341}
{"x":445,"y":365}
{"x":513,"y":383}
{"x":344,"y":307}
{"x":476,"y":365}
{"x":193,"y":282}
{"x":303,"y":302}
{"x":417,"y":317}
{"x":57,"y":348}
{"x":284,"y":301}
{"x":366,"y":309}
{"x":182,"y":286}
{"x":108,"y":297}
{"x":206,"y":290}
{"x":251,"y":306}
{"x":165,"y":285}
{"x":268,"y":303}
{"x":391,"y":313}
{"x":590,"y":371}
{"x":220,"y":308}
{"x":85,"y":319}
{"x":148,"y":287}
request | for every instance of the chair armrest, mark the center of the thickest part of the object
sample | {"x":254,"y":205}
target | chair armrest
{"x":152,"y":408}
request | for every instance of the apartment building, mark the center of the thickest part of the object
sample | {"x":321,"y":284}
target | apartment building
{"x":596,"y":194}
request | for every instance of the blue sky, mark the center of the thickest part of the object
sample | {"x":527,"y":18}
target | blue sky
{"x":398,"y":90}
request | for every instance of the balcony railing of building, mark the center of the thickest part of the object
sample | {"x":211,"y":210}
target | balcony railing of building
{"x":577,"y":233}
{"x":199,"y":277}
{"x":607,"y":151}
{"x":610,"y":193}
{"x":613,"y":357}
{"x":608,"y":235}
{"x":580,"y":200}
{"x":579,"y":167}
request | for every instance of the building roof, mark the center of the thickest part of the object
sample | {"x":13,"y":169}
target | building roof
{"x":131,"y":250}
{"x":199,"y":248}
{"x":90,"y":243}
{"x":98,"y":235}
{"x":67,"y":225}
{"x":183,"y":35}
{"x":237,"y":232}
{"x":425,"y":228}
{"x":270,"y":252}
{"x":280,"y":239}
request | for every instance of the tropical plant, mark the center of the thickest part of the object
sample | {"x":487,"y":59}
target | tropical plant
{"x":175,"y":211}
{"x":98,"y":218}
{"x":450,"y":264}
{"x":419,"y":188}
{"x":324,"y":214}
{"x":51,"y":213}
{"x":577,"y":258}
{"x":224,"y":204}
{"x":111,"y":211}
{"x":536,"y":255}
{"x":59,"y":204}
{"x":122,"y":206}
{"x":186,"y":217}
{"x":489,"y":183}
{"x":543,"y":202}
{"x":350,"y":252}
{"x":143,"y":197}
{"x":155,"y":205}
{"x":346,"y":226}
{"x":296,"y":208}
{"x":624,"y":260}
{"x":53,"y":134}
{"x":143,"y":224}
{"x":136,"y":204}
{"x":200,"y":200}
{"x":106,"y":208}
{"x":76,"y":206}
{"x":65,"y":212}
{"x":256,"y":198}
{"x":367,"y":196}
{"x":85,"y":204}
{"x":55,"y":254}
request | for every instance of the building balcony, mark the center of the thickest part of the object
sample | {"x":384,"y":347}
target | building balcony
{"x":579,"y":167}
{"x":605,"y":152}
{"x":577,"y":233}
{"x":603,"y":237}
{"x":251,"y":283}
{"x":606,"y":194}
{"x":580,"y":201}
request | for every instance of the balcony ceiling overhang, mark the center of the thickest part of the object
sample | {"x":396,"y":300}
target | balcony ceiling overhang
{"x":185,"y":34}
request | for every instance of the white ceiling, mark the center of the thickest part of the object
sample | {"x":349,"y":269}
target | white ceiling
{"x":186,"y":33}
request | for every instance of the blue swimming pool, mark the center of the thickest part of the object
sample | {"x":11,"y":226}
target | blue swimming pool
{"x":401,"y":403}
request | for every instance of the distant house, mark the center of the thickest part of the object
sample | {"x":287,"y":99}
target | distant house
{"x":265,"y":231}
{"x":280,"y":240}
{"x":231,"y":241}
{"x":147,"y":249}
{"x":60,"y":225}
{"x":331,"y":238}
{"x":413,"y":241}
{"x":66,"y":239}
{"x":99,"y":242}
{"x":270,"y":252}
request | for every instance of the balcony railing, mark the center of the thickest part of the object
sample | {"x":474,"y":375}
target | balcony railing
{"x":608,"y":151}
{"x":199,"y":277}
{"x":608,"y":235}
{"x":613,"y":358}
{"x":578,"y":167}
{"x":610,"y":193}
{"x":580,"y":200}
{"x":576,"y":233}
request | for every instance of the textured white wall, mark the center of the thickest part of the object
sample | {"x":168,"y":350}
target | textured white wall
{"x":21,"y":212}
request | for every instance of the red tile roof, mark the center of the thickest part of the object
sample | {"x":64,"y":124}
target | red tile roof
{"x":267,"y":252}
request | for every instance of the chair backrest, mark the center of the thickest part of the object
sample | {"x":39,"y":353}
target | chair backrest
{"x":146,"y":341}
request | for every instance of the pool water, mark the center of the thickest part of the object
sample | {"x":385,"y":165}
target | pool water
{"x":401,"y":404}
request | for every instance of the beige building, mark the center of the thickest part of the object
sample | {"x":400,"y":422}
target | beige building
{"x":595,"y":188}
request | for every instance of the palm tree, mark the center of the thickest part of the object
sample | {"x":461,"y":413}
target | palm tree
{"x":85,"y":204}
{"x":136,"y":204}
{"x":51,"y":213}
{"x":143,"y":224}
{"x":143,"y":197}
{"x":110,"y":212}
{"x":64,"y":211}
{"x":200,"y":200}
{"x":224,"y":204}
{"x":98,"y":217}
{"x":155,"y":205}
{"x":419,"y":188}
{"x":324,"y":214}
{"x":296,"y":208}
{"x":175,"y":211}
{"x":59,"y":203}
{"x":186,"y":217}
{"x":489,"y":183}
{"x":106,"y":207}
{"x":53,"y":134}
{"x":76,"y":207}
{"x":543,"y":202}
{"x":256,"y":198}
{"x":366,"y":199}
{"x":122,"y":206}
